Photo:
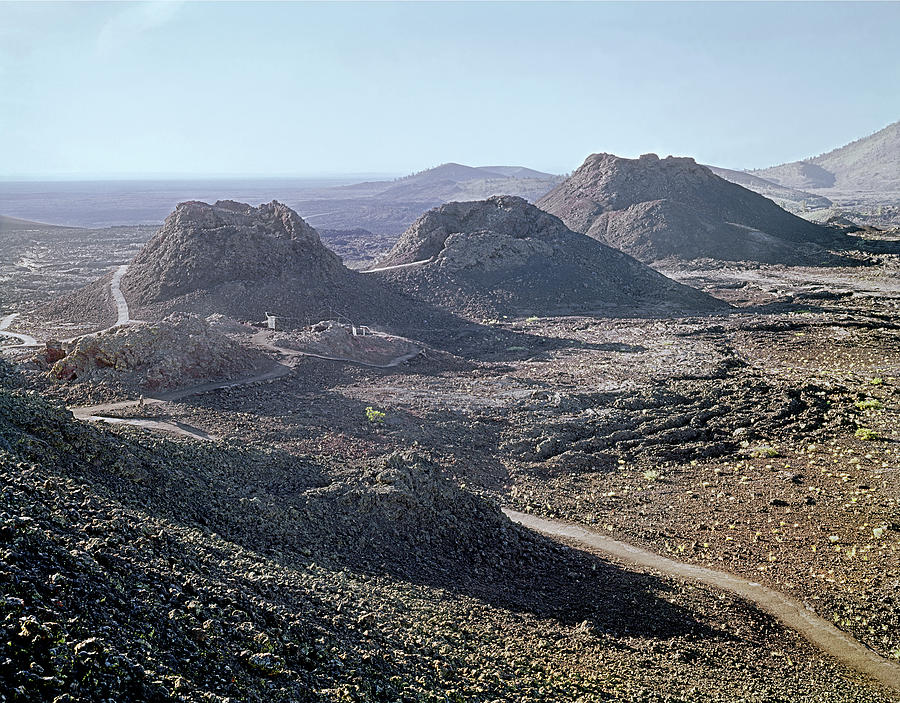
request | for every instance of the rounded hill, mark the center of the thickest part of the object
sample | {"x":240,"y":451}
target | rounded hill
{"x":656,"y":208}
{"x":505,"y":256}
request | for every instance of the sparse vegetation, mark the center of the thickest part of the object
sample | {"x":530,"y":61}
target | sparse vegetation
{"x":763,"y":452}
{"x":867,"y":434}
{"x":376,"y":417}
{"x":868,"y":404}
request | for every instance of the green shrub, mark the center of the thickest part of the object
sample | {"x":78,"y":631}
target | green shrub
{"x":376,"y":417}
{"x":866,"y":433}
{"x":868,"y":404}
{"x":763,"y":452}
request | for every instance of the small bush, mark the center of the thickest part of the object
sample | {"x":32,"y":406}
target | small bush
{"x":763,"y":452}
{"x":868,"y":404}
{"x":877,"y":381}
{"x":651,"y":475}
{"x":866,"y":433}
{"x":376,"y":417}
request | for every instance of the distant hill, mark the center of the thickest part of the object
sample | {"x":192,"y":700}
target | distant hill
{"x":790,"y":199}
{"x":454,"y":172}
{"x":505,"y":256}
{"x":14,"y":224}
{"x":869,"y":164}
{"x":389,"y":207}
{"x":436,"y":185}
{"x":656,"y":209}
{"x":517,"y":172}
{"x":460,"y":173}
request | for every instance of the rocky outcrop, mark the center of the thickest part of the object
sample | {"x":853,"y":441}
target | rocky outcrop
{"x":505,"y":256}
{"x":178,"y":351}
{"x":498,"y":218}
{"x":202,"y":246}
{"x":656,"y":208}
{"x":336,"y":340}
{"x":242,"y":262}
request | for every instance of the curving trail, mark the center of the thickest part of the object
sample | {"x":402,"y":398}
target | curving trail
{"x":86,"y":412}
{"x":792,"y":613}
{"x":179,"y":428}
{"x":96,"y":413}
{"x":25,"y":339}
{"x":399,"y":266}
{"x":122,"y":315}
{"x":260,"y":340}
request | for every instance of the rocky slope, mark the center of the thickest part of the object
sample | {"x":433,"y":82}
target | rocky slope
{"x":869,"y":164}
{"x":140,"y":568}
{"x":114,"y":586}
{"x":241,"y":261}
{"x":505,"y":256}
{"x":201,"y":247}
{"x":657,"y":208}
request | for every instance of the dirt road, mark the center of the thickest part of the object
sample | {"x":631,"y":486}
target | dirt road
{"x":122,"y":315}
{"x":26,"y":340}
{"x":399,"y":266}
{"x":792,"y":613}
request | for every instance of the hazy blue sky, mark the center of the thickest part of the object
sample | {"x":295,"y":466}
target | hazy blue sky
{"x":299,"y":89}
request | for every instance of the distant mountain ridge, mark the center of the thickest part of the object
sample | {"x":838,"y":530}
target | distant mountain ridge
{"x":389,"y":207}
{"x":869,"y":164}
{"x":461,"y":173}
{"x":790,"y":199}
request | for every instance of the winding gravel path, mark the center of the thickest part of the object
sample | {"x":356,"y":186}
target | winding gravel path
{"x":96,"y":413}
{"x":399,"y":266}
{"x":25,"y":339}
{"x":792,"y":613}
{"x":122,"y":316}
{"x":179,"y":428}
{"x":260,"y":339}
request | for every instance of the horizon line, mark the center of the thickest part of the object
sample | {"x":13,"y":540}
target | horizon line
{"x":122,"y":177}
